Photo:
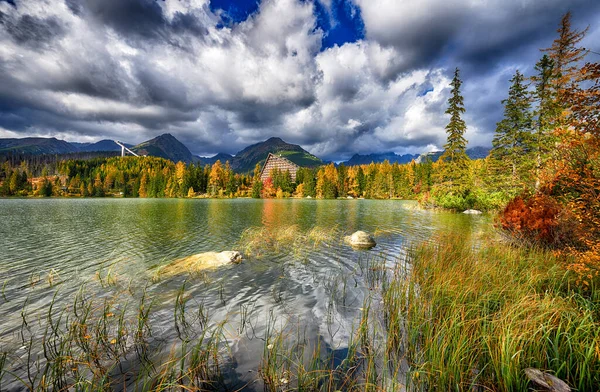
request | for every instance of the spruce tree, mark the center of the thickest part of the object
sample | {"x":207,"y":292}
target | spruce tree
{"x":512,"y":144}
{"x":456,"y":145}
{"x":453,"y":176}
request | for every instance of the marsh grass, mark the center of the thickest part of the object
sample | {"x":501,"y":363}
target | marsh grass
{"x":255,"y":242}
{"x":478,"y":318}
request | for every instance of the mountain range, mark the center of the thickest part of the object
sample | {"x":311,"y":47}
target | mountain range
{"x":168,"y":147}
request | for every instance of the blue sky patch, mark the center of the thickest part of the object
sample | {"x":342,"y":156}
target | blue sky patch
{"x":341,"y":24}
{"x":234,"y":11}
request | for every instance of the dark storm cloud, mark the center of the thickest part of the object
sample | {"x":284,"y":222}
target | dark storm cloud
{"x":75,"y":6}
{"x":31,"y":30}
{"x":339,"y":77}
{"x":139,"y":18}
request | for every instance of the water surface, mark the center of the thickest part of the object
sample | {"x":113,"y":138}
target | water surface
{"x":61,"y":244}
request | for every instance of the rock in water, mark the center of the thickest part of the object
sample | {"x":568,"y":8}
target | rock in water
{"x":361,"y":240}
{"x":200,"y":262}
{"x":546,"y":381}
{"x":472,"y":212}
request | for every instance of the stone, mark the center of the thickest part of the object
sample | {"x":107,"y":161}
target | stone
{"x":472,"y":212}
{"x":201,"y":261}
{"x":547,"y":381}
{"x":361,"y":240}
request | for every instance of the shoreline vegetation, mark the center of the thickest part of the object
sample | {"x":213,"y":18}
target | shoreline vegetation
{"x":447,"y":317}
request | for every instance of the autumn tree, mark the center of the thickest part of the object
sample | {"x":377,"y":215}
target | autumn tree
{"x":143,"y":190}
{"x":546,"y":113}
{"x":566,"y":56}
{"x":215,"y":179}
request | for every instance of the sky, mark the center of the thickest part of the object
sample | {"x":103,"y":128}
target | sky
{"x":338,"y":77}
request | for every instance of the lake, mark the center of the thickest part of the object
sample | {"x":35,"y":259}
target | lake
{"x":306,"y":279}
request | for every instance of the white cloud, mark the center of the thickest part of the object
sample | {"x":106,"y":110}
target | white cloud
{"x":221,"y":88}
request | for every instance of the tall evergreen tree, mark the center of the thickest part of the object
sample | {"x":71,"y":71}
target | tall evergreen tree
{"x":453,"y":166}
{"x":512,"y":144}
{"x":456,"y":145}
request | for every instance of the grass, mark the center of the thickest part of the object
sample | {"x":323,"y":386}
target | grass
{"x":454,"y":318}
{"x":478,"y":318}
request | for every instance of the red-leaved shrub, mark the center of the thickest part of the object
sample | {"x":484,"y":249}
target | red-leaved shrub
{"x":539,"y":219}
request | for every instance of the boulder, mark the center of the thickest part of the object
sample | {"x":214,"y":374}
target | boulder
{"x":200,"y":262}
{"x":546,"y":381}
{"x":472,"y":212}
{"x":361,"y":240}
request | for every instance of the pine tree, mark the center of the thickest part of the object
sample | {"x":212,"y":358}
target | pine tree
{"x":456,"y":145}
{"x":512,"y":144}
{"x":453,"y":174}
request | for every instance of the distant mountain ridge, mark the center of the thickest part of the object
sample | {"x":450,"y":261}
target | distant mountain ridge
{"x":36,"y":146}
{"x":223,"y":157}
{"x":102,"y":145}
{"x":168,"y":147}
{"x":477,"y":152}
{"x":358,"y":159}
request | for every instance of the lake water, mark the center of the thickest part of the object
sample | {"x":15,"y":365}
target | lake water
{"x":50,"y":245}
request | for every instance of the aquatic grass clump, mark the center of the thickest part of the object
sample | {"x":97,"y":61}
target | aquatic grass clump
{"x":104,"y":343}
{"x":255,"y":242}
{"x":478,"y":318}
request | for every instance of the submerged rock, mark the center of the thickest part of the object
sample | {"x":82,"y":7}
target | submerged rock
{"x":472,"y":212}
{"x":201,"y":261}
{"x":361,"y":240}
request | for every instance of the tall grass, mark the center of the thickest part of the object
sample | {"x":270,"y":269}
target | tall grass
{"x":476,"y":318}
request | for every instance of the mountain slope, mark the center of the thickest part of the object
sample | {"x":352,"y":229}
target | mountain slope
{"x":245,"y":160}
{"x":165,"y":146}
{"x":477,"y":152}
{"x":35,"y":146}
{"x":102,"y":145}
